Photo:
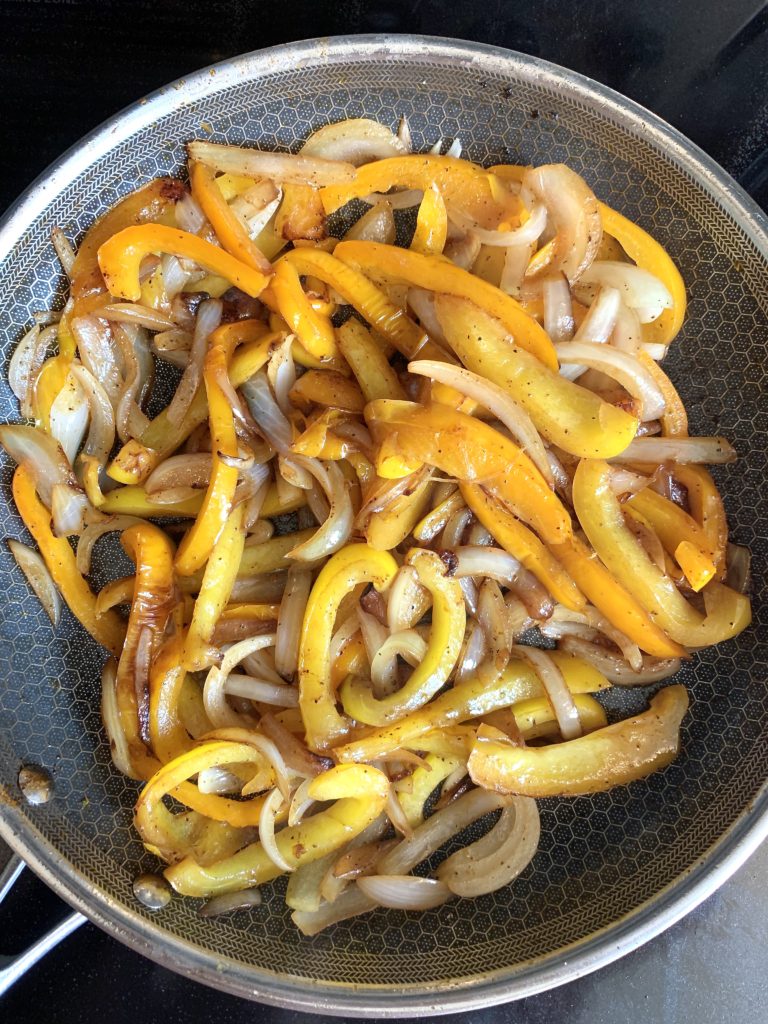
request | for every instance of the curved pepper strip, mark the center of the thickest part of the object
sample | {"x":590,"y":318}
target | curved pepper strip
{"x":135,"y":461}
{"x":326,"y":388}
{"x":625,"y":558}
{"x":471,"y":451}
{"x":470,"y":698}
{"x":313,"y":329}
{"x":437,"y":274}
{"x":708,"y":510}
{"x":59,"y":557}
{"x":360,"y":793}
{"x":646,"y":252}
{"x":445,"y":639}
{"x":676,"y":529}
{"x":431,"y":224}
{"x":354,"y":564}
{"x":390,"y":526}
{"x":218,"y":579}
{"x":674,"y":419}
{"x":371,"y":303}
{"x":424,"y":781}
{"x":217,"y":503}
{"x":575,"y":419}
{"x":154,"y":600}
{"x":464,"y":185}
{"x":133,"y":501}
{"x":229,"y":231}
{"x":167,"y":736}
{"x":535,"y":717}
{"x":370,"y":366}
{"x":524,"y":545}
{"x":352,"y":661}
{"x":121,"y":255}
{"x":613,"y":756}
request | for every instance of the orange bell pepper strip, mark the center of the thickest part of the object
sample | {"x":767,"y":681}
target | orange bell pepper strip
{"x":229,"y":231}
{"x":674,"y":419}
{"x":313,"y":328}
{"x":646,"y":252}
{"x":218,"y":579}
{"x":327,"y":388}
{"x":354,"y":564}
{"x":370,"y":366}
{"x":462,"y":184}
{"x":473,"y":452}
{"x":59,"y":557}
{"x":524,"y":545}
{"x":677,"y":531}
{"x":440,"y":275}
{"x":217,"y":503}
{"x":707,"y":509}
{"x":355,"y":288}
{"x":359,"y":793}
{"x":612,"y":756}
{"x":154,"y":600}
{"x":471,"y":698}
{"x":575,"y":419}
{"x":600,"y":515}
{"x":121,"y":255}
{"x":135,"y":461}
{"x":431,"y":224}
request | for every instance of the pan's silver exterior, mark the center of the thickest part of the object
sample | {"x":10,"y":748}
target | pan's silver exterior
{"x":613,"y":870}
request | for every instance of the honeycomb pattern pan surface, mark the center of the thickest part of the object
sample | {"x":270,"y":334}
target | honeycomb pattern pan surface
{"x":613,"y":870}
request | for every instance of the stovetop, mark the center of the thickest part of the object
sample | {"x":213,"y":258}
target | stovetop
{"x":66,"y":65}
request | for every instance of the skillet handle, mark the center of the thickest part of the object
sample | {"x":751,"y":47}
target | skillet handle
{"x":13,"y":968}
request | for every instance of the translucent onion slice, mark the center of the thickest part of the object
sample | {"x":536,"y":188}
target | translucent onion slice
{"x":526,"y":234}
{"x":573,"y":213}
{"x":404,"y":892}
{"x":496,"y":400}
{"x":101,"y":431}
{"x":269,"y":417}
{"x":230,"y":902}
{"x":41,"y":455}
{"x":135,"y":313}
{"x":188,"y":470}
{"x":92,"y":533}
{"x":336,"y":530}
{"x":623,"y":367}
{"x":558,"y":308}
{"x":269,"y":812}
{"x":614,"y":667}
{"x":639,"y":289}
{"x":214,"y":694}
{"x":715,"y":451}
{"x":69,"y":417}
{"x":560,"y":696}
{"x":110,"y":716}
{"x":281,"y":373}
{"x":286,"y":168}
{"x":377,"y":225}
{"x":238,"y":685}
{"x":405,"y":600}
{"x":208,"y":319}
{"x":516,"y":260}
{"x":407,"y":644}
{"x":38,"y":577}
{"x":290,"y":619}
{"x":64,"y":250}
{"x":99,"y":353}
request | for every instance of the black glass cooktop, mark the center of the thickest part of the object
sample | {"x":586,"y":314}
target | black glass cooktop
{"x":66,"y":65}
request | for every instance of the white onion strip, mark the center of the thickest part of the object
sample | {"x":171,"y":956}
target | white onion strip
{"x":214,"y":695}
{"x":554,"y":683}
{"x":526,"y":234}
{"x":337,"y":528}
{"x":250,"y":688}
{"x":269,"y":812}
{"x":290,"y":619}
{"x":92,"y":533}
{"x":39,"y":578}
{"x":101,"y":432}
{"x":623,"y":367}
{"x":404,"y":892}
{"x":287,"y":168}
{"x":715,"y":451}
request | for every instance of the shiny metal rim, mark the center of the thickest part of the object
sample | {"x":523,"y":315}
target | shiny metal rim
{"x":588,"y":955}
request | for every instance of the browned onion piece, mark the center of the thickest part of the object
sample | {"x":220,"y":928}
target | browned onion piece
{"x":297,"y":756}
{"x":377,"y":225}
{"x":99,"y":353}
{"x":208,"y":319}
{"x":92,"y":533}
{"x":188,"y":470}
{"x":230,"y":902}
{"x":738,"y":561}
{"x":39,"y":578}
{"x":286,"y":168}
{"x":615,"y":668}
{"x":290,"y":619}
{"x":713,"y":450}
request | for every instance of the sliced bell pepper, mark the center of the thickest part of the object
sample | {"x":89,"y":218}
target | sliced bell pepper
{"x":272,"y":554}
{"x":646,"y":252}
{"x":677,"y":531}
{"x":320,"y":441}
{"x":575,"y":419}
{"x":471,"y":451}
{"x":167,"y":736}
{"x":360,"y":793}
{"x":524,"y":545}
{"x":49,"y":381}
{"x":352,"y":660}
{"x":313,"y":329}
{"x":471,"y":698}
{"x":390,"y":526}
{"x":370,"y":366}
{"x":327,"y":388}
{"x":354,"y":564}
{"x":707,"y":509}
{"x":229,"y":231}
{"x":600,"y":515}
{"x":463,"y":185}
{"x":218,"y":579}
{"x":59,"y":557}
{"x":133,"y":501}
{"x":696,"y":564}
{"x":431,"y":224}
{"x":424,"y":780}
{"x":612,"y":756}
{"x":535,"y":717}
{"x":121,"y":255}
{"x":445,"y":639}
{"x":301,"y":214}
{"x":440,"y":275}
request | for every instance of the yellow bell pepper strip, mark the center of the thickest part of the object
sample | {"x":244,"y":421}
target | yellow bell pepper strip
{"x":434,"y":522}
{"x":471,"y":451}
{"x":612,"y":756}
{"x":390,"y":526}
{"x":370,"y":302}
{"x":524,"y":545}
{"x":425,"y":780}
{"x":535,"y":717}
{"x":600,"y":515}
{"x":707,"y":508}
{"x":59,"y":557}
{"x":132,"y":466}
{"x":229,"y":231}
{"x":354,"y":564}
{"x":471,"y":698}
{"x":121,"y":255}
{"x":575,"y":419}
{"x":445,"y":639}
{"x":613,"y":600}
{"x":431,"y":224}
{"x":360,"y":793}
{"x":240,"y":621}
{"x":217,"y":503}
{"x":218,"y":579}
{"x":313,"y":329}
{"x":167,"y":736}
{"x":646,"y":252}
{"x":678,"y":532}
{"x":133,"y":501}
{"x":674,"y":419}
{"x":440,"y":275}
{"x":319,"y":441}
{"x":50,"y":380}
{"x":464,"y":185}
{"x":370,"y":366}
{"x":326,"y":388}
{"x":352,"y":661}
{"x":272,"y":554}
